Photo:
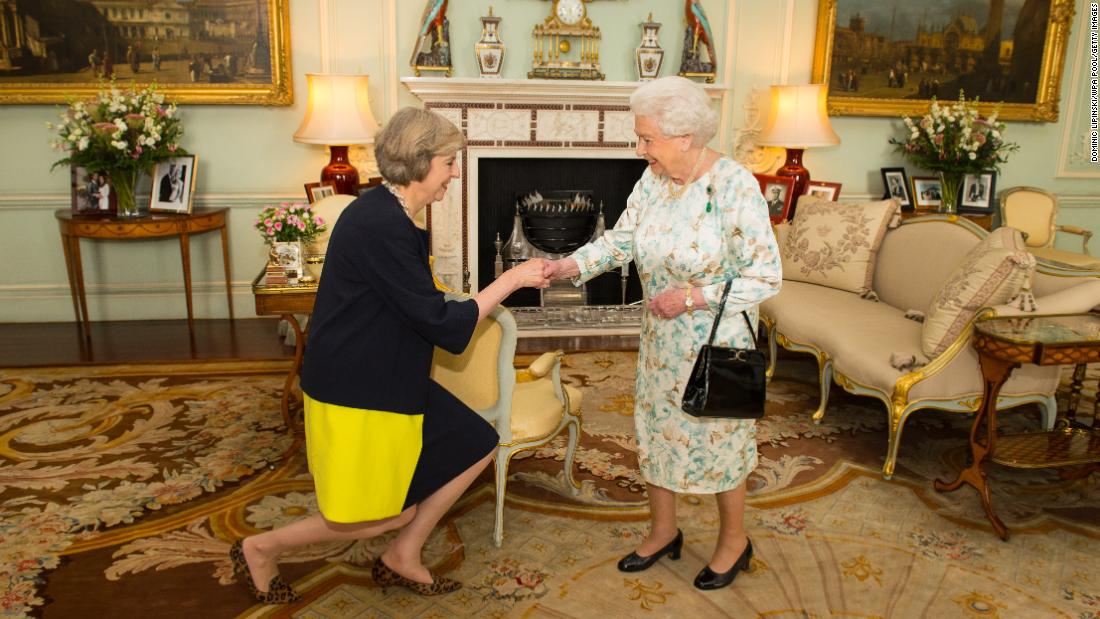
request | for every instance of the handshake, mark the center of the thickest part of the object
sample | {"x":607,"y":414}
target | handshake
{"x":538,"y":272}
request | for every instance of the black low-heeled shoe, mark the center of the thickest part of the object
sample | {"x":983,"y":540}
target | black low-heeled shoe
{"x":633,"y":562}
{"x":708,"y":579}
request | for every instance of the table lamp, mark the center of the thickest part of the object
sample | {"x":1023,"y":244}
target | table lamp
{"x":797,"y":120}
{"x":338,"y":115}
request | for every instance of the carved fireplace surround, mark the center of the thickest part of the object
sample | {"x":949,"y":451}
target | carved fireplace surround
{"x":520,"y":118}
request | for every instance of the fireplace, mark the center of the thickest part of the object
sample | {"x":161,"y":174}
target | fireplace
{"x":525,"y":135}
{"x":502,"y":181}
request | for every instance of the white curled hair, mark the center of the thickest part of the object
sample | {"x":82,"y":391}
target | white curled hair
{"x":679,"y":106}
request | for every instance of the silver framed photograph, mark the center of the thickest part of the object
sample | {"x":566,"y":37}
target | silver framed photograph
{"x":976,"y":195}
{"x":173,"y":185}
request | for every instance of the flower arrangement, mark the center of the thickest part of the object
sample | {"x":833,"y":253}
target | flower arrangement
{"x":122,"y":133}
{"x":955,"y":140}
{"x":290,"y":221}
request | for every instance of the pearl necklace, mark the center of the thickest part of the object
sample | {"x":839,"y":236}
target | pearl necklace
{"x":677,"y":191}
{"x":397,"y":194}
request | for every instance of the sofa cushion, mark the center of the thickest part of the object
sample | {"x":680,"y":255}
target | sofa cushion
{"x":991,"y":273}
{"x":834,"y":244}
{"x":908,"y":275}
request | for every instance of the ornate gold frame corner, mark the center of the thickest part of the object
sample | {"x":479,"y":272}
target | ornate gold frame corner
{"x":279,"y":92}
{"x":1044,"y":109}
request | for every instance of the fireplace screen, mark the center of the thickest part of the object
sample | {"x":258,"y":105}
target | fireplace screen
{"x":533,"y":207}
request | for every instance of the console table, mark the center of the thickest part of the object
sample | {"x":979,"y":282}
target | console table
{"x":155,"y":225}
{"x":985,"y":221}
{"x":1003,"y":343}
{"x":286,"y":300}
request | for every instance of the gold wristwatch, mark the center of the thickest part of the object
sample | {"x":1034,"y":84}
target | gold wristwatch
{"x":689,"y":301}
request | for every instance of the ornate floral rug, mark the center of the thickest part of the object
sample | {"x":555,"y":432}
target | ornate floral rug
{"x":121,"y":488}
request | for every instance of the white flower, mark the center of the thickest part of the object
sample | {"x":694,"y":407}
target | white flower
{"x":973,"y":156}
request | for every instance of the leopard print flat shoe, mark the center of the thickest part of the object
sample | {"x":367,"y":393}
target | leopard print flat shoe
{"x":278,"y":592}
{"x":385,"y":577}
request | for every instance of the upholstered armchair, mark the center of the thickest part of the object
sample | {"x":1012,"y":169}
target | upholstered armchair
{"x":528,"y":407}
{"x":1034,"y":212}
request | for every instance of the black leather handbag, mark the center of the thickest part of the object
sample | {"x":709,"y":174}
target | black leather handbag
{"x":727,"y":382}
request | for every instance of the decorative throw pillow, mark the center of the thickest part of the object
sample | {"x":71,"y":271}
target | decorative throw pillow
{"x":991,"y":274}
{"x":834,"y":243}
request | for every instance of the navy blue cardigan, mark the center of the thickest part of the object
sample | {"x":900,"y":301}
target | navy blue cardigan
{"x":378,"y":313}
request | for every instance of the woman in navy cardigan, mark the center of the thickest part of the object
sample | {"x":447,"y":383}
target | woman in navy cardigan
{"x":388,"y":447}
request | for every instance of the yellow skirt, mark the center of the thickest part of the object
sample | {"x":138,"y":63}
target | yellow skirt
{"x":362,"y":460}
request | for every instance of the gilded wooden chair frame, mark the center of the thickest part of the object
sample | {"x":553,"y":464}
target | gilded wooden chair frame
{"x":546,"y":367}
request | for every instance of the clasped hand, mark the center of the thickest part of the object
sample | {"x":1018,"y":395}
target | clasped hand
{"x":668,"y":304}
{"x":531,"y":274}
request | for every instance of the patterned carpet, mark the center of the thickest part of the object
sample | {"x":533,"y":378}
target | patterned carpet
{"x":121,"y":488}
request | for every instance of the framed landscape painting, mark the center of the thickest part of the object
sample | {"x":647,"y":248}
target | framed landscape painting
{"x":891,"y":57}
{"x":215,"y":51}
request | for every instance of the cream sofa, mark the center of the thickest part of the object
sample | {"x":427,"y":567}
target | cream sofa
{"x":855,"y":339}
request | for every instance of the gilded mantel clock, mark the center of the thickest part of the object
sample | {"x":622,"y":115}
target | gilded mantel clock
{"x":567,"y":45}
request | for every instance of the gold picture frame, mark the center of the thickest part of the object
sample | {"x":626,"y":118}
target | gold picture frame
{"x":848,"y":98}
{"x":222,"y":66}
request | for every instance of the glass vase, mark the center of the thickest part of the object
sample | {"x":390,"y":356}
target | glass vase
{"x":949,"y":192}
{"x":123,"y":182}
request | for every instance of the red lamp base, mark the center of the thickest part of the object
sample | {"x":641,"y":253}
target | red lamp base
{"x":340,"y":172}
{"x":793,"y":168}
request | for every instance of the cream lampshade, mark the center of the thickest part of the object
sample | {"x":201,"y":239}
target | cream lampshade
{"x":337,"y":115}
{"x":798,"y":120}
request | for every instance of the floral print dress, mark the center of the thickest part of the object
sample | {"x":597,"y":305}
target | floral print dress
{"x":677,"y":243}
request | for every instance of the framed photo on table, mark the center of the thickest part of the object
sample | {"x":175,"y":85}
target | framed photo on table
{"x":320,"y":190}
{"x":823,"y":190}
{"x":173,"y":185}
{"x":91,"y":193}
{"x":976,"y":195}
{"x":897,"y":186}
{"x":927,"y":192}
{"x":778,"y":192}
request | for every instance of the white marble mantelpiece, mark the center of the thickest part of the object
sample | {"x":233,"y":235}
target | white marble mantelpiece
{"x":521,"y":118}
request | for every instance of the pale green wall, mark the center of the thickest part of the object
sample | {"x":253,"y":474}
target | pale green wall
{"x":248,"y":159}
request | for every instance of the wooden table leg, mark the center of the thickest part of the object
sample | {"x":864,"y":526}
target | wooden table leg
{"x":78,"y":270}
{"x":994,"y":374}
{"x":185,"y":255}
{"x":228,"y":277}
{"x":295,"y":370}
{"x":1075,"y":388}
{"x":72,"y":278}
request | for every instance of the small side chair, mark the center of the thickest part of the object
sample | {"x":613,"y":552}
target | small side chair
{"x":528,"y":407}
{"x":1034,"y":212}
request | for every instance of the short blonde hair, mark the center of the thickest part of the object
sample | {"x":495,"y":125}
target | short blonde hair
{"x":679,"y":106}
{"x":405,"y":146}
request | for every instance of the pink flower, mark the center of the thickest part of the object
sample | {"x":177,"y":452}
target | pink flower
{"x":278,"y":225}
{"x":302,"y":226}
{"x":269,"y":232}
{"x":528,"y":579}
{"x":171,"y":148}
{"x":317,"y":221}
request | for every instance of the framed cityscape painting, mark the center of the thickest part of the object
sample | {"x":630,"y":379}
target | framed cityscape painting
{"x":891,"y":57}
{"x":215,"y":51}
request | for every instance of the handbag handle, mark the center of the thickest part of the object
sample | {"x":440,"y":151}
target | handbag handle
{"x":718,"y":317}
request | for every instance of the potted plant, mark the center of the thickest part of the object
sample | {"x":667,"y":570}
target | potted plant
{"x":955,"y":141}
{"x":122,"y":134}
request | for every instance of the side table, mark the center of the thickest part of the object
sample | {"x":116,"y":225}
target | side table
{"x":155,"y":225}
{"x":286,"y":300}
{"x":1003,"y":343}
